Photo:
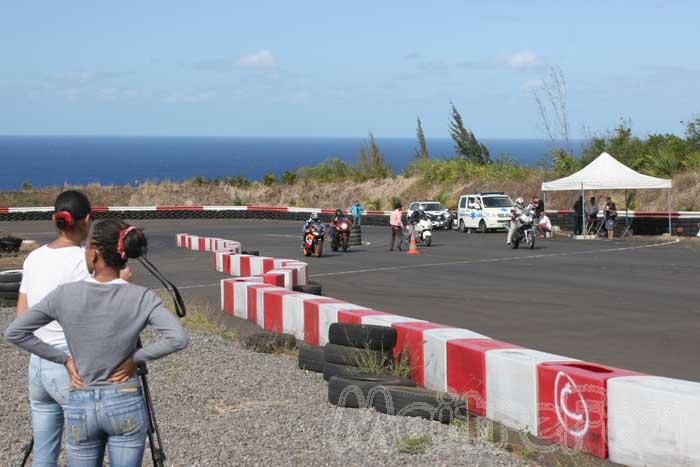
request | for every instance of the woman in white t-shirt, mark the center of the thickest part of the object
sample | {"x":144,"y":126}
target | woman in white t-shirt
{"x":60,"y":262}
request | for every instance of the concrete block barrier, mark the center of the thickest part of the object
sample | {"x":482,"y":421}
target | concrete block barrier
{"x":653,"y":421}
{"x":512,"y":386}
{"x":572,"y":404}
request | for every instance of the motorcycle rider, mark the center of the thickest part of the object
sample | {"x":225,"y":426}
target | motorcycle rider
{"x":338,"y":219}
{"x":313,"y":221}
{"x":518,"y":210}
{"x":416,"y":216}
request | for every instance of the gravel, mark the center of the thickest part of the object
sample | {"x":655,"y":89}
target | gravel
{"x":219,"y":404}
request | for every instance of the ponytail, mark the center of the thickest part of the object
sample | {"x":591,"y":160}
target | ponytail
{"x":71,"y":206}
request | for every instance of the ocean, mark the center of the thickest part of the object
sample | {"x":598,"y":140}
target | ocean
{"x":56,"y":160}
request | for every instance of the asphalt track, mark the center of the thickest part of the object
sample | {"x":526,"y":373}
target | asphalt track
{"x":633,"y":304}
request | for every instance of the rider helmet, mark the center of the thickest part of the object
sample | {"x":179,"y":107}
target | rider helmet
{"x":338,"y":213}
{"x":314,"y":216}
{"x":520,"y":202}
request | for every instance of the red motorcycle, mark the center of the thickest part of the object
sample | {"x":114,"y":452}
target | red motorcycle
{"x":341,"y":235}
{"x":313,"y":241}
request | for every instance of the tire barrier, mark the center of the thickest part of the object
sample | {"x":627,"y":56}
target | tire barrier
{"x":627,"y":416}
{"x":684,"y":223}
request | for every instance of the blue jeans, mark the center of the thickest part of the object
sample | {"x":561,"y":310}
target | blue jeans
{"x":48,"y":391}
{"x":113,"y":416}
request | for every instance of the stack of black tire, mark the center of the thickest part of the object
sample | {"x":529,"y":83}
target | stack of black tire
{"x":342,"y":361}
{"x":9,"y":286}
{"x":355,"y":235}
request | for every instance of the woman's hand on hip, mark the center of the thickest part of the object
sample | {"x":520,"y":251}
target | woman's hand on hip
{"x":123,"y":372}
{"x":76,"y":382}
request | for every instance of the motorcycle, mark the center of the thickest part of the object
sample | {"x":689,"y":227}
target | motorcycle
{"x":423,"y":232}
{"x":341,"y":235}
{"x":524,"y":232}
{"x":313,"y":241}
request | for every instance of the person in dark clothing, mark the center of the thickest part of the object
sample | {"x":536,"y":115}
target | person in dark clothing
{"x":578,"y":211}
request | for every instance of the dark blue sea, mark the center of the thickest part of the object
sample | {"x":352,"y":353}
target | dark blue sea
{"x":55,"y":160}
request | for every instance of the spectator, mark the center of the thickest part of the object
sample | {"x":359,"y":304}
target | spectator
{"x":356,"y":211}
{"x":537,"y":204}
{"x":578,"y":213}
{"x":610,"y":214}
{"x":544,"y":225}
{"x":102,"y":317}
{"x":396,"y":224}
{"x":592,"y":210}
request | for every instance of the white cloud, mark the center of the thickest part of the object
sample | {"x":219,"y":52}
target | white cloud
{"x":520,"y":59}
{"x":260,"y":60}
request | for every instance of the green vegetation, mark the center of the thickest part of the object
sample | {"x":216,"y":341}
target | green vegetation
{"x":660,"y":155}
{"x":422,"y":151}
{"x":415,"y":445}
{"x":466,"y":145}
{"x":238,"y":182}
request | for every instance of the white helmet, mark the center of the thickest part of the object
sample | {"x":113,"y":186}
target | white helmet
{"x":519,"y":202}
{"x":314,"y":216}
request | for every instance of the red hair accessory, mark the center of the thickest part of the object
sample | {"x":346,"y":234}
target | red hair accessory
{"x":65,"y":216}
{"x":120,"y":242}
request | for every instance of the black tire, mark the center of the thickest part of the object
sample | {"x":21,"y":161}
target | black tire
{"x":353,"y":237}
{"x":428,"y":241}
{"x":311,"y":358}
{"x":359,"y":388}
{"x":11,"y":275}
{"x":482,"y":226}
{"x":355,"y":228}
{"x":346,"y":371}
{"x":462,"y":227}
{"x":515,"y":244}
{"x":418,"y":402}
{"x":311,"y":288}
{"x":10,"y":244}
{"x":532,"y":242}
{"x":8,"y":287}
{"x":362,"y":336}
{"x":251,"y":252}
{"x":352,"y":356}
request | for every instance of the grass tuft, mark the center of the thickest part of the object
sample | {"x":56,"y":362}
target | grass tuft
{"x":415,"y":445}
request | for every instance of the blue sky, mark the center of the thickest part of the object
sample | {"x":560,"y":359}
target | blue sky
{"x":333,"y":68}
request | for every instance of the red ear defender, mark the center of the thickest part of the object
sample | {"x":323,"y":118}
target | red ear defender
{"x":65,"y":216}
{"x":120,"y":242}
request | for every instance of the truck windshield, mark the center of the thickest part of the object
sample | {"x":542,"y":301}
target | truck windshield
{"x":433,"y":207}
{"x":497,"y":202}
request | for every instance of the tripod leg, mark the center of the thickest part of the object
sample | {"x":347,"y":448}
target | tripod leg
{"x":27,"y":451}
{"x":154,"y":441}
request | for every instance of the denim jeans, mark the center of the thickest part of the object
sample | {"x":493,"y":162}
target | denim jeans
{"x":48,"y":391}
{"x":114,"y":417}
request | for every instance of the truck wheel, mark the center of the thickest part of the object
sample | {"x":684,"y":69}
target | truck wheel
{"x":462,"y":227}
{"x":482,"y":226}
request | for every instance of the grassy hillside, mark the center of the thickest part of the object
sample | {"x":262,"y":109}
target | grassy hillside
{"x":373,"y":193}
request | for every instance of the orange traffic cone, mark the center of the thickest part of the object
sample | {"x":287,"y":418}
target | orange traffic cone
{"x":412,"y":248}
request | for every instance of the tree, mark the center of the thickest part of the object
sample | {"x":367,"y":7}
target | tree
{"x":269,"y":179}
{"x":379,"y":167}
{"x":551,"y":99}
{"x":422,"y":151}
{"x":692,"y":133}
{"x":289,"y":177}
{"x":466,"y":144}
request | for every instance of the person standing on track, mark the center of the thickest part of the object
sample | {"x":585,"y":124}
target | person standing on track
{"x":356,"y":212}
{"x":396,"y":224}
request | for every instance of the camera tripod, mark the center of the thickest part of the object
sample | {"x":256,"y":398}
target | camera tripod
{"x":154,"y":441}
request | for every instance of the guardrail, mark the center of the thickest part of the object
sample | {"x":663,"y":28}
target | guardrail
{"x":630,"y":417}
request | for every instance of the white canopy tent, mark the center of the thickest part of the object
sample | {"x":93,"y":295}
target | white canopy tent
{"x":607,"y":173}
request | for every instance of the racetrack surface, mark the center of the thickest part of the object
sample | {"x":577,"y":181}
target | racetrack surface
{"x":631,"y":304}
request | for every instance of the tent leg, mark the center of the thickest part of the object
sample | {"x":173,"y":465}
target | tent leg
{"x":670,"y":229}
{"x":583,"y":212}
